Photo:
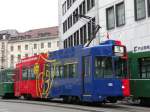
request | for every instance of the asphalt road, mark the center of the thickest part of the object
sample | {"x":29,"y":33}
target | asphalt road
{"x":38,"y":106}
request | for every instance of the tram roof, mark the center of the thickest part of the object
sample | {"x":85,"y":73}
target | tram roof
{"x":103,"y":50}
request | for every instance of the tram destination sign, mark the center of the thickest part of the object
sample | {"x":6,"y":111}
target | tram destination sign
{"x":142,"y":48}
{"x":119,"y":50}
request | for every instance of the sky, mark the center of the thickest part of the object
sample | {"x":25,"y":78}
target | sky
{"x":24,"y":15}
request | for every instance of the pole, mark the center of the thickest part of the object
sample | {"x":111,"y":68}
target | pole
{"x":96,"y":28}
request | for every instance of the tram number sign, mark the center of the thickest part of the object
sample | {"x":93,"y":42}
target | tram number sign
{"x":119,"y":50}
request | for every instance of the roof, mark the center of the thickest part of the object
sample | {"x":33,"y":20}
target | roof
{"x":49,"y":31}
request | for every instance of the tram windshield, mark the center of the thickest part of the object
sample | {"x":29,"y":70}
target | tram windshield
{"x":121,"y":70}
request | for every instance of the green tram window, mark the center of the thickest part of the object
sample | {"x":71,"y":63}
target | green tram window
{"x":144,"y":68}
{"x":10,"y":75}
{"x":103,"y":67}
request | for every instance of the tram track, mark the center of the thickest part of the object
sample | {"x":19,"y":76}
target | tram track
{"x":53,"y":104}
{"x":85,"y":107}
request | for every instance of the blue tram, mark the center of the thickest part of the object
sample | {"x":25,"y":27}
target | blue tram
{"x":88,"y":74}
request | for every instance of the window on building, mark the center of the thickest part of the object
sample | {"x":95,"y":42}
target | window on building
{"x":84,"y":7}
{"x":35,"y":46}
{"x":26,"y":47}
{"x":71,"y":41}
{"x":140,"y":10}
{"x":65,"y":43}
{"x":75,"y":18}
{"x":68,"y":42}
{"x":89,"y":30}
{"x":64,"y":8}
{"x":68,"y":4}
{"x":92,"y":3}
{"x":81,"y":35}
{"x":19,"y":57}
{"x":35,"y":54}
{"x":42,"y":45}
{"x":75,"y":39}
{"x":19,"y":48}
{"x":81,"y":9}
{"x":69,"y":21}
{"x":65,"y":26}
{"x":88,"y":5}
{"x":57,"y":43}
{"x":11,"y":48}
{"x":78,"y":42}
{"x":93,"y":25}
{"x":26,"y":55}
{"x":148,"y":6}
{"x":84,"y":34}
{"x":120,"y":14}
{"x":49,"y":44}
{"x":12,"y":60}
{"x":110,"y":17}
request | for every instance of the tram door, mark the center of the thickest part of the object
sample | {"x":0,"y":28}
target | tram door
{"x":86,"y":76}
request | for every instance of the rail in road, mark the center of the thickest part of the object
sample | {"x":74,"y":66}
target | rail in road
{"x":118,"y":107}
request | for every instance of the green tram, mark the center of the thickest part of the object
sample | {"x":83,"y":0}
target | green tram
{"x":6,"y":83}
{"x":139,"y":64}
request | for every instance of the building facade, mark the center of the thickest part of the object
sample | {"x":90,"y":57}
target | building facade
{"x":74,"y":30}
{"x":4,"y":37}
{"x":32,"y":42}
{"x":125,"y":20}
{"x":128,"y":21}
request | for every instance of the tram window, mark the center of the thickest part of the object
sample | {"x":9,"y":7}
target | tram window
{"x":57,"y":72}
{"x":52,"y":71}
{"x":25,"y":74}
{"x":61,"y":71}
{"x":144,"y":68}
{"x":47,"y":70}
{"x":3,"y":76}
{"x":10,"y":75}
{"x":32,"y":75}
{"x":65,"y":71}
{"x":121,"y":68}
{"x":103,"y":67}
{"x":72,"y":70}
